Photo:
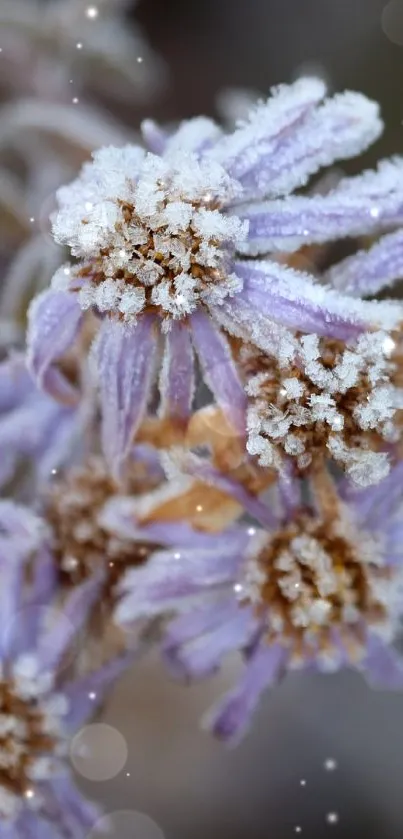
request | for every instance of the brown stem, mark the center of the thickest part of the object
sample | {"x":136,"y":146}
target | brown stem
{"x":325,"y":493}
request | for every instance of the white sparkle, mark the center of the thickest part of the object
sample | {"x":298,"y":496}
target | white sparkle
{"x":29,"y":793}
{"x":388,"y":345}
{"x":303,"y":782}
{"x":140,"y":60}
{"x":332,"y":818}
{"x":375,"y":212}
{"x":251,"y":531}
{"x":32,"y":219}
{"x":298,"y":829}
{"x":92,"y":696}
{"x":330,"y":764}
{"x":199,"y":508}
{"x":88,"y":205}
{"x":177,"y":556}
{"x":92,"y":12}
{"x":237,"y":588}
{"x":79,"y":45}
{"x":75,"y":101}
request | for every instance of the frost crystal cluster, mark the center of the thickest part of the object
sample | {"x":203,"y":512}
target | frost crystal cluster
{"x":333,"y":399}
{"x":204,"y":434}
{"x":150,"y":232}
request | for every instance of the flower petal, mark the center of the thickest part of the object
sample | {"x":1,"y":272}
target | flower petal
{"x":12,"y":579}
{"x":74,"y":616}
{"x":120,"y":515}
{"x":374,"y":507}
{"x":177,"y":374}
{"x":218,"y":369}
{"x":201,"y":655}
{"x":16,"y":384}
{"x":268,"y":126}
{"x":286,"y":226}
{"x":292,"y":298}
{"x":171,"y":578}
{"x":204,"y":471}
{"x":289,"y":139}
{"x":230,"y":718}
{"x":54,"y":319}
{"x":193,"y":135}
{"x":77,"y":815}
{"x":368,"y":272}
{"x":155,"y":138}
{"x":383,"y":666}
{"x":86,"y":693}
{"x":125,"y":363}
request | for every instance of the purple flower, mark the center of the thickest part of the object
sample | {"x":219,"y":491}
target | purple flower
{"x":164,"y":240}
{"x":319,"y":588}
{"x":42,"y":704}
{"x":35,"y":431}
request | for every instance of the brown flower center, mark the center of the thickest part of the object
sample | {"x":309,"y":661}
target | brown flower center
{"x":30,"y":738}
{"x":148,"y":257}
{"x":330,"y":400}
{"x":313,"y":576}
{"x":81,"y":543}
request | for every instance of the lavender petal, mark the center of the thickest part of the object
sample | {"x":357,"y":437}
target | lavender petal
{"x":177,"y":374}
{"x":218,"y":369}
{"x":294,"y":300}
{"x":368,"y":272}
{"x":54,"y":320}
{"x":125,"y":364}
{"x":230,"y":719}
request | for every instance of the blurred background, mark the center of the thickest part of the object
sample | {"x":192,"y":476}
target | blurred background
{"x":325,"y":756}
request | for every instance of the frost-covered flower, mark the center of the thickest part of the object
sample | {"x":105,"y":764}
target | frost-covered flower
{"x":41,"y":706}
{"x":331,"y":400}
{"x":37,"y":434}
{"x":320,"y":586}
{"x":164,"y":239}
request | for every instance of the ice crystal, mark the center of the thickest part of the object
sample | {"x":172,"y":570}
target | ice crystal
{"x":160,"y":242}
{"x":332,"y":400}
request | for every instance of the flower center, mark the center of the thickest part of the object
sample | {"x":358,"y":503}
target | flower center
{"x":309,"y":579}
{"x":165,"y":246}
{"x":328,"y":401}
{"x":31,"y":737}
{"x":81,"y":544}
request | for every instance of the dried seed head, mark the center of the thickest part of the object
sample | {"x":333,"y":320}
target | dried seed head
{"x":81,"y":543}
{"x":31,"y":734}
{"x":316,"y":577}
{"x":150,"y":232}
{"x":331,"y":401}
